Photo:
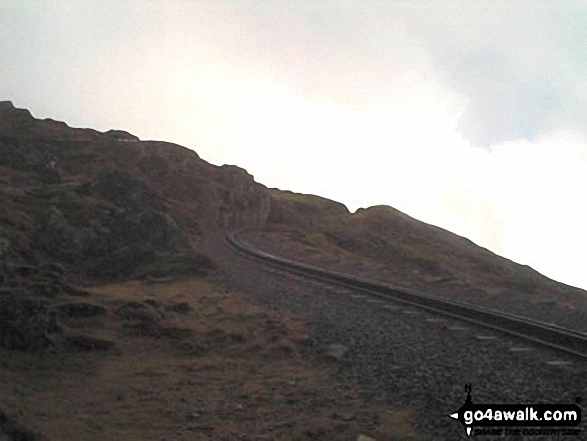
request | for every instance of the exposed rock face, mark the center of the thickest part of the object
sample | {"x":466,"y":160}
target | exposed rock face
{"x":13,"y":119}
{"x":4,"y":244}
{"x":302,"y":210}
{"x":121,"y":135}
{"x":11,"y":428}
{"x":124,"y":191}
{"x":105,"y":204}
{"x":81,"y":310}
{"x":25,"y":322}
{"x":20,"y":122}
{"x":244,"y":203}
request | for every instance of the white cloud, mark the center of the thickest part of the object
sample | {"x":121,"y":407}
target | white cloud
{"x":381,"y":103}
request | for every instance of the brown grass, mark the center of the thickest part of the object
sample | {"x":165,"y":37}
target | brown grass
{"x":382,"y":243}
{"x":236,"y":372}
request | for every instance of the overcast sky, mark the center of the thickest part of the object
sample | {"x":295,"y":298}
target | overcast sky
{"x":469,"y":115}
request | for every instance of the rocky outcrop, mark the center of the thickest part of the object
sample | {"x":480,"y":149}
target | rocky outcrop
{"x":26,"y":323}
{"x":121,"y":135}
{"x":302,"y":210}
{"x":123,"y":190}
{"x":4,"y":245}
{"x":20,"y":122}
{"x":11,"y":429}
{"x":108,"y":205}
{"x":244,"y":202}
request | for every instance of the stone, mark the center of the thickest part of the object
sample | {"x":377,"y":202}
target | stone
{"x":4,"y":245}
{"x":336,"y":351}
{"x":24,"y":323}
{"x":51,"y":270}
{"x":124,"y":191}
{"x":73,"y":291}
{"x":181,"y":308}
{"x":193,"y":415}
{"x":302,"y":210}
{"x":176,"y":333}
{"x":164,"y":279}
{"x":85,"y":343}
{"x":244,"y":202}
{"x":11,"y":428}
{"x":136,"y":310}
{"x":81,"y":310}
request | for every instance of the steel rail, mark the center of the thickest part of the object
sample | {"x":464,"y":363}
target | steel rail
{"x":566,"y":340}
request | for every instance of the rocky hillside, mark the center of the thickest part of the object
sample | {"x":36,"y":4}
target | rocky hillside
{"x":383,"y":244}
{"x":79,"y":206}
{"x":301,"y":209}
{"x":95,"y":207}
{"x":106,"y":205}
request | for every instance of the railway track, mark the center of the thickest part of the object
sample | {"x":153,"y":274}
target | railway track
{"x":570,"y":342}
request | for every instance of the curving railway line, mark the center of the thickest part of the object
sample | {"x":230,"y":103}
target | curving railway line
{"x":570,"y":342}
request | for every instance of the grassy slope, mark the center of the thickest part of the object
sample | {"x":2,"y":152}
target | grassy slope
{"x":382,"y":243}
{"x":216,"y":370}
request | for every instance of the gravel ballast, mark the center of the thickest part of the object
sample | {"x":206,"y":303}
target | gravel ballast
{"x":408,"y":358}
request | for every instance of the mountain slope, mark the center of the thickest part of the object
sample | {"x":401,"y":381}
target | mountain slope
{"x":107,"y":204}
{"x":382,"y":244}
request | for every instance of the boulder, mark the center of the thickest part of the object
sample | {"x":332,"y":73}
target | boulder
{"x":336,"y":351}
{"x":123,"y":190}
{"x":85,"y":343}
{"x":81,"y":310}
{"x":12,"y":429}
{"x":302,"y":210}
{"x":4,"y":245}
{"x":25,"y":323}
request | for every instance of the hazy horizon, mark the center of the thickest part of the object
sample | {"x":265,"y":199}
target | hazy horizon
{"x":465,"y":115}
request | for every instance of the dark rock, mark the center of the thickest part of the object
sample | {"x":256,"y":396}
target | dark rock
{"x":64,"y":241}
{"x":25,"y":270}
{"x":137,"y":311}
{"x":336,"y":351}
{"x":4,"y":245}
{"x":176,"y":333}
{"x":45,"y":288}
{"x":52,"y":276}
{"x":167,"y":267}
{"x":191,"y":416}
{"x":156,"y":227}
{"x":365,"y":438}
{"x":14,"y":430}
{"x":152,"y":302}
{"x":197,"y":350}
{"x":24,"y":323}
{"x":182,"y":308}
{"x":302,"y":210}
{"x":121,"y":135}
{"x":217,"y":335}
{"x":51,"y":268}
{"x":83,"y":343}
{"x":81,"y":310}
{"x":243,"y":201}
{"x":146,"y":328}
{"x":121,"y":262}
{"x":163,"y":279}
{"x":73,"y":291}
{"x":124,"y":191}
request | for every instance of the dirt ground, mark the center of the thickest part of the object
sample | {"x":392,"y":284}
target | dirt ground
{"x":190,"y":361}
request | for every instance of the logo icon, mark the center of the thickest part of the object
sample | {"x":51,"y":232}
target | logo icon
{"x":459,"y":415}
{"x":491,"y":419}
